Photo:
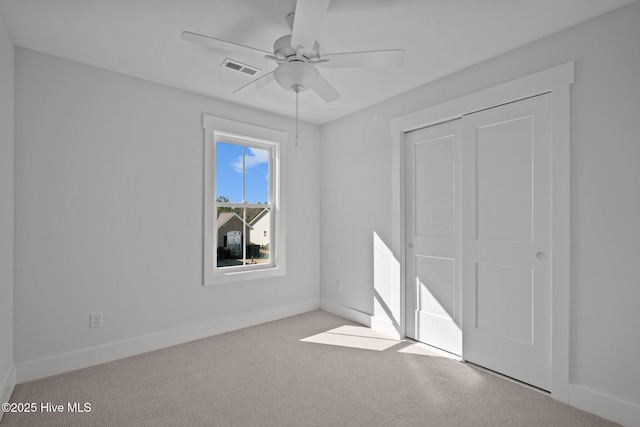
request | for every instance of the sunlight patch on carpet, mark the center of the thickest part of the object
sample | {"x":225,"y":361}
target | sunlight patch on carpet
{"x":358,"y":337}
{"x":422,"y":350}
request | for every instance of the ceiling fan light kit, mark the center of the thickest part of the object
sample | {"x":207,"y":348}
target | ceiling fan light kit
{"x":296,"y":76}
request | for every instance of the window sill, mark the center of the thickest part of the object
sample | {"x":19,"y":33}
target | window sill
{"x":245,"y":275}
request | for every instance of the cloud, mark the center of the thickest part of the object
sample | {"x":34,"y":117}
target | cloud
{"x":253,"y":157}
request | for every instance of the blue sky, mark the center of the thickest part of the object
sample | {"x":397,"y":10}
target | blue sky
{"x":229,"y":173}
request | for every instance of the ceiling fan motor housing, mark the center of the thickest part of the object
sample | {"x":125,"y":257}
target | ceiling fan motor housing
{"x":283,"y":50}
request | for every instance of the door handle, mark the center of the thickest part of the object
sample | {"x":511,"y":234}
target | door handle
{"x":410,"y":244}
{"x":541,"y":256}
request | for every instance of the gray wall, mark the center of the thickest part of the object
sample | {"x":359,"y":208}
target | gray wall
{"x":605,"y":198}
{"x":108,"y":199}
{"x":6,"y":207}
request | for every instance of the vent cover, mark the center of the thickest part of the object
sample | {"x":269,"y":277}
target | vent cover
{"x":240,"y":67}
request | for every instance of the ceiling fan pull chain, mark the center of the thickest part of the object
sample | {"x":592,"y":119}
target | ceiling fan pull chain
{"x":297,"y":93}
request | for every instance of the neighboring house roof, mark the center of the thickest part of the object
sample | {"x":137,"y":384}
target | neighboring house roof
{"x":225,"y":217}
{"x":259,"y":217}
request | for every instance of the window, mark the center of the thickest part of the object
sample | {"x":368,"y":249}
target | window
{"x":243,"y":201}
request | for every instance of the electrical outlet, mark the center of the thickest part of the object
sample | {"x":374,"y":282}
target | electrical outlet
{"x":95,"y":320}
{"x":339,"y":285}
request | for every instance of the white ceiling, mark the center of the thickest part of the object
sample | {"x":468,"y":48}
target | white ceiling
{"x":141,"y":38}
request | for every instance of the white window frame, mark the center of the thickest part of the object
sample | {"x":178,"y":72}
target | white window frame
{"x":225,"y":130}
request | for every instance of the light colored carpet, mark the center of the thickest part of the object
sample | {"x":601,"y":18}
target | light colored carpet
{"x":313,"y":369}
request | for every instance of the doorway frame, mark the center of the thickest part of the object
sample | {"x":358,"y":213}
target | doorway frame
{"x":556,"y":81}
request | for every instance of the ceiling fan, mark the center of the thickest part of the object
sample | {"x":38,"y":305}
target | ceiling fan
{"x":298,"y":54}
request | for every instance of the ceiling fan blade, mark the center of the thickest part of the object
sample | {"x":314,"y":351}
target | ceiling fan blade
{"x":258,"y":83}
{"x":372,"y":58}
{"x":275,"y":59}
{"x":307,"y":22}
{"x":325,"y":90}
{"x":222,"y":44}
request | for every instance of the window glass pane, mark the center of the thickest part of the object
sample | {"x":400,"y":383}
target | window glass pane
{"x":259,"y":236}
{"x":228,"y":172}
{"x":233,"y":232}
{"x":231,"y":236}
{"x":256,"y":178}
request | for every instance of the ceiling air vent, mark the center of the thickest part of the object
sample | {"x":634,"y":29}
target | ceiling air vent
{"x":239,"y":66}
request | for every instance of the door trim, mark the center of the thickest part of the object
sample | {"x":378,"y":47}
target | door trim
{"x":557,"y":81}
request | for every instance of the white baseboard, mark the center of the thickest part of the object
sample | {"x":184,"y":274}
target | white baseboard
{"x":346,"y":312}
{"x":616,"y":410}
{"x":57,"y":364}
{"x":6,"y":387}
{"x":376,"y":323}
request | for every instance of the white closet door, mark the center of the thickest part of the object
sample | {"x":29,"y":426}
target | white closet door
{"x":433,"y":236}
{"x":507,"y":239}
